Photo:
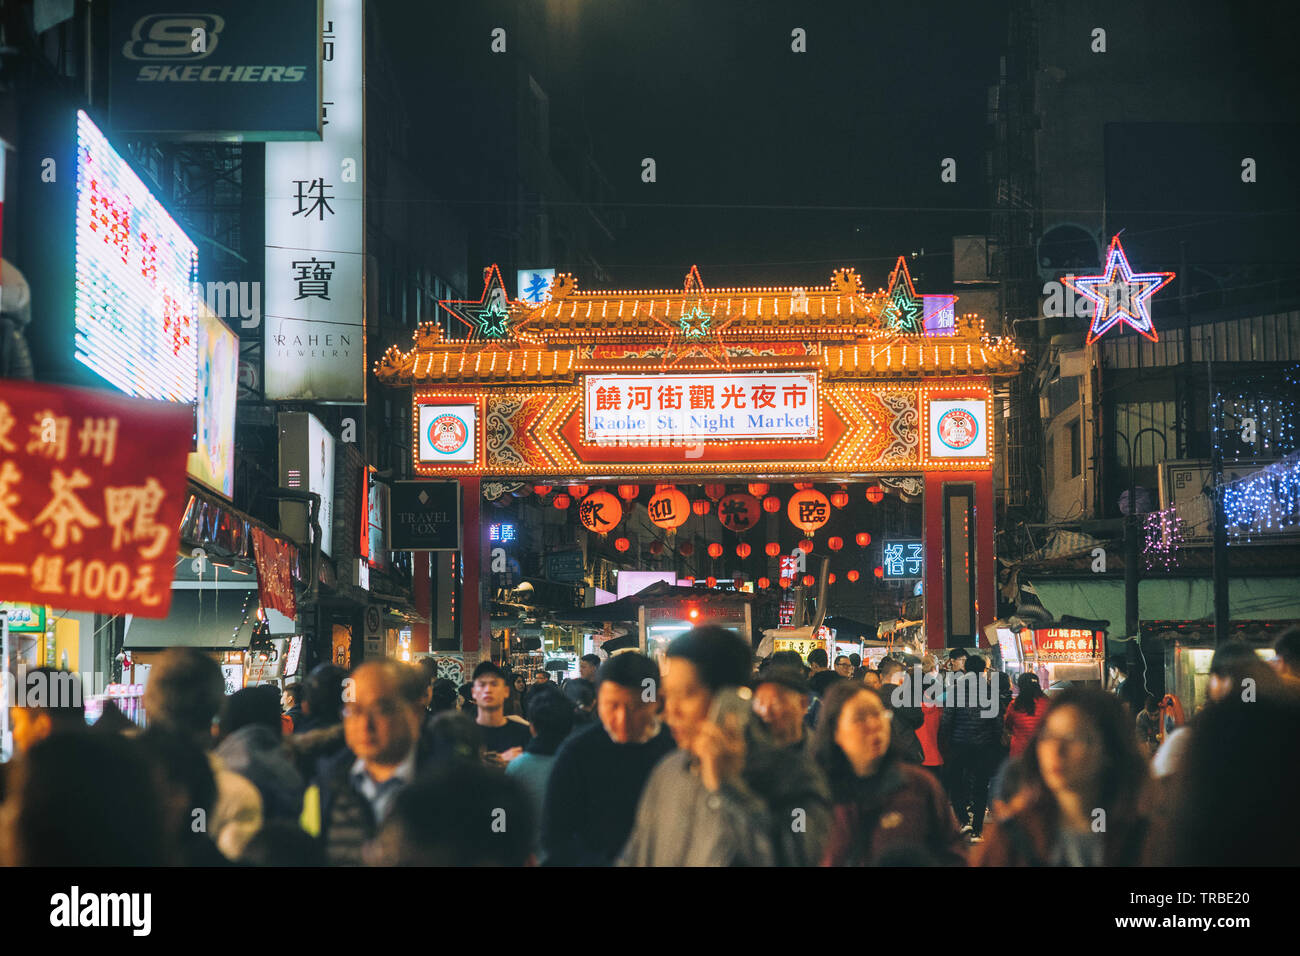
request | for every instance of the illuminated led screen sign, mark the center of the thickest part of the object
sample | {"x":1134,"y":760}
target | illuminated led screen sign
{"x":670,"y":409}
{"x":216,"y":69}
{"x":1067,"y":643}
{"x":959,"y":429}
{"x":903,"y":559}
{"x":315,"y":312}
{"x":136,"y":310}
{"x":307,"y":464}
{"x":213,"y":461}
{"x":447,"y":433}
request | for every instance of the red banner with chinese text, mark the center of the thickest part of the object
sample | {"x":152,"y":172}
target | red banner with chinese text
{"x":92,"y":487}
{"x":275,"y":572}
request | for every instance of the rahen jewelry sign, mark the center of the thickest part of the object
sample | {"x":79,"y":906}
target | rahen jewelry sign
{"x":628,"y":409}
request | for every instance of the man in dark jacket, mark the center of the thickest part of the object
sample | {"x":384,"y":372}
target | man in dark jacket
{"x":972,"y":727}
{"x":357,"y":787}
{"x":903,"y":700}
{"x":251,"y":744}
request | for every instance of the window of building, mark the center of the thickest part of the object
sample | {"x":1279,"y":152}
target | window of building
{"x":1073,"y":432}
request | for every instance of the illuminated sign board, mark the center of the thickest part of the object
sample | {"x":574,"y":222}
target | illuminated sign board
{"x":372,"y":528}
{"x":668,"y":409}
{"x":307,"y":463}
{"x":1067,"y":643}
{"x":502,"y":533}
{"x":903,"y":559}
{"x":214,"y":461}
{"x":959,"y":429}
{"x":939,"y":314}
{"x":447,"y":433}
{"x":24,"y":617}
{"x":315,"y":348}
{"x":534,"y":286}
{"x":136,"y":310}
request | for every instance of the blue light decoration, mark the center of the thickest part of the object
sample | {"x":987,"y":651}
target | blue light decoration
{"x":903,"y":559}
{"x":501,"y":533}
{"x":136,"y":307}
{"x":534,"y":285}
{"x":1119,"y":295}
{"x":1265,"y":502}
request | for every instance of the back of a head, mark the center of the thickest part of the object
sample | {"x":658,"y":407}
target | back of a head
{"x":444,"y":695}
{"x":323,"y":693}
{"x":412,"y":681}
{"x":1287,"y":648}
{"x":721,"y":656}
{"x":592,"y":659}
{"x":817,"y":657}
{"x":184,"y":766}
{"x":185,"y":691}
{"x":453,"y":735}
{"x":630,"y":670}
{"x":889,"y":666}
{"x":786,"y":658}
{"x":493,"y":813}
{"x":1237,"y":663}
{"x":251,"y":706}
{"x":975,"y":664}
{"x":430,"y":667}
{"x":578,"y":692}
{"x":551,"y":715}
{"x":87,"y":800}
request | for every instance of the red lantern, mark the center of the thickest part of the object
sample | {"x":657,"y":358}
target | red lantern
{"x":835,"y":543}
{"x":808,"y":510}
{"x":772,"y":505}
{"x":600,"y":512}
{"x":831,"y":579}
{"x":689,"y":582}
{"x":853,"y":575}
{"x":715,"y":491}
{"x":806,"y":546}
{"x":808,"y":580}
{"x":622,"y":544}
{"x":628,"y":492}
{"x":772,"y":549}
{"x":711,"y":581}
{"x":686,"y":549}
{"x":668,"y":508}
{"x":579,"y":491}
{"x":700,"y":507}
{"x":759,"y":488}
{"x":541,"y":490}
{"x":840,"y":499}
{"x":715,"y":550}
{"x":875,"y":494}
{"x":743,"y":550}
{"x":738,"y":512}
{"x":784,"y":582}
{"x":879,"y":572}
{"x":802,"y":485}
{"x":561,"y":501}
{"x":764,"y":583}
{"x":656,"y":548}
{"x":863,"y":539}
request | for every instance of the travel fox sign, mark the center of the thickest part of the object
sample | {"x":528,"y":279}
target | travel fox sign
{"x":92,"y":486}
{"x":654,"y":409}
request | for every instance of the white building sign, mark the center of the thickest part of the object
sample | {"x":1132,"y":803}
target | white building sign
{"x":959,"y":429}
{"x":447,"y":434}
{"x":669,"y":408}
{"x":315,"y":234}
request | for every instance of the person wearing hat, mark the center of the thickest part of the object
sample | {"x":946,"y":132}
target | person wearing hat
{"x":781,"y":698}
{"x":503,"y":737}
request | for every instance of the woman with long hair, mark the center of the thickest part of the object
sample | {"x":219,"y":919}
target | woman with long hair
{"x":885,"y":810}
{"x":1025,"y":713}
{"x":1082,"y":779}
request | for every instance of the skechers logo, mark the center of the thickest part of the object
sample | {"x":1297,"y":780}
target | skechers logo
{"x":74,"y":909}
{"x":163,"y":36}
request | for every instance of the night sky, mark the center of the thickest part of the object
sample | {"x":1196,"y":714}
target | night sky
{"x":772,"y":166}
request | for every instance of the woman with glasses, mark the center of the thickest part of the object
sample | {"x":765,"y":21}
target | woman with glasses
{"x":1078,"y":801}
{"x":886,"y":811}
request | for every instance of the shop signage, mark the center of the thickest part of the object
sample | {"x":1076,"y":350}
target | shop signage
{"x":212,"y":69}
{"x":667,"y":409}
{"x":213,"y":461}
{"x":565,"y":566}
{"x":534,"y":286}
{"x":424,"y":516}
{"x":903,"y":559}
{"x":1067,"y":643}
{"x":372,"y":528}
{"x":136,"y":308}
{"x":315,"y":347}
{"x":958,"y":429}
{"x":447,"y":433}
{"x":92,"y":486}
{"x":29,"y":618}
{"x":801,"y":646}
{"x":307,"y":464}
{"x":275,"y":560}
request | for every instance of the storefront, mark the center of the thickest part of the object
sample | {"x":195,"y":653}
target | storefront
{"x":771,"y":425}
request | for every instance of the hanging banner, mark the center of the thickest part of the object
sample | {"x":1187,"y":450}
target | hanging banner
{"x":275,"y":559}
{"x":92,"y":487}
{"x":315,"y":346}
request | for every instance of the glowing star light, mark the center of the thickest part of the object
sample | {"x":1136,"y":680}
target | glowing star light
{"x":902,"y":311}
{"x":1119,"y":294}
{"x":695,"y":332}
{"x":489,"y":317}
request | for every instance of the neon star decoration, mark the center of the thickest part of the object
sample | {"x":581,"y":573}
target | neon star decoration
{"x":695,"y":331}
{"x":1119,"y":294}
{"x":902,"y":311}
{"x":489,"y":317}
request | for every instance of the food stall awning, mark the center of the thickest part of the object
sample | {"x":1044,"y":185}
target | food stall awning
{"x":1170,"y":599}
{"x":222,"y":619}
{"x":659,"y":594}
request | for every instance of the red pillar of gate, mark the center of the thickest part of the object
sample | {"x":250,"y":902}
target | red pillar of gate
{"x":935,"y":573}
{"x":422,"y":591}
{"x":475,"y":634}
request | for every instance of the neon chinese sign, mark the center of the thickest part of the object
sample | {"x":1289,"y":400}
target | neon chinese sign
{"x":136,"y":309}
{"x":903,"y":559}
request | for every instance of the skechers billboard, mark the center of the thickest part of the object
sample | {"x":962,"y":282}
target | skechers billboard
{"x":217,"y":69}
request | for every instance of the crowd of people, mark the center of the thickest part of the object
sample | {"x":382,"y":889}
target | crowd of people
{"x":717,"y":759}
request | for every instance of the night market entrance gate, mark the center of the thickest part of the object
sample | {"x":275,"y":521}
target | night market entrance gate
{"x":723,"y":387}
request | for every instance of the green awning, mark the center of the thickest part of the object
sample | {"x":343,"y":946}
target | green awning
{"x":216,"y":619}
{"x":1170,"y":599}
